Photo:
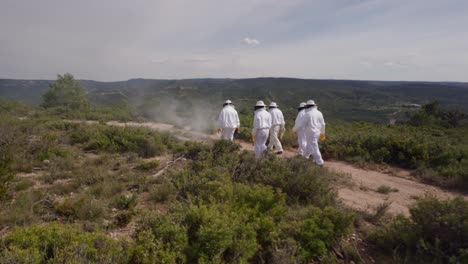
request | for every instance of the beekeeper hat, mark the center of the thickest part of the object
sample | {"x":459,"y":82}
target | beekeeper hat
{"x":273,"y":104}
{"x":302,"y":105}
{"x":228,"y":102}
{"x":260,"y":103}
{"x":310,"y":103}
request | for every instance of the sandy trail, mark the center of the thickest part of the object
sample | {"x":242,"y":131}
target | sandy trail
{"x":362,"y":195}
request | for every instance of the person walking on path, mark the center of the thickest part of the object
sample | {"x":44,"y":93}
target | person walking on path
{"x":301,"y":140}
{"x":228,"y":121}
{"x":277,"y":128}
{"x":313,"y":124}
{"x":261,"y":128}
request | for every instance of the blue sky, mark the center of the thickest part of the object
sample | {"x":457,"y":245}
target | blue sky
{"x":339,"y":39}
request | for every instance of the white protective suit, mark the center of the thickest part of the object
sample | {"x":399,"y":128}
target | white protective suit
{"x":313,"y":124}
{"x":261,"y":129}
{"x":277,"y":124}
{"x":228,"y":121}
{"x":301,"y":140}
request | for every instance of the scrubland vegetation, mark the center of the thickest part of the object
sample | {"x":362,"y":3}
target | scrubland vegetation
{"x":220,"y":205}
{"x":433,"y":143}
{"x":436,"y":155}
{"x":83,"y":193}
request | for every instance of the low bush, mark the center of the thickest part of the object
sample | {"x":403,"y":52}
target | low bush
{"x":302,"y":182}
{"x":58,"y":243}
{"x":123,"y":218}
{"x":384,"y":189}
{"x":6,"y":176}
{"x":248,"y":227}
{"x":17,"y":109}
{"x":439,"y":155}
{"x":162,"y":192}
{"x":124,"y":202}
{"x":148,"y":165}
{"x":234,"y":208}
{"x":83,"y":207}
{"x":435,"y":232}
{"x":23,"y":185}
{"x":28,"y":207}
{"x":319,"y":230}
{"x":117,"y":112}
{"x":142,"y":141}
{"x":299,"y":179}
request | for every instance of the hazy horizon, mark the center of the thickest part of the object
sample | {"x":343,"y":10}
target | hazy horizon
{"x":231,"y":78}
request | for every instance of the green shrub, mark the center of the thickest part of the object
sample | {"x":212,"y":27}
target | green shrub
{"x":123,"y":218}
{"x":148,"y":165}
{"x":125,"y":202}
{"x":213,"y":197}
{"x":259,"y":190}
{"x":58,"y":243}
{"x":82,"y":207}
{"x":436,"y":230}
{"x":384,"y":189}
{"x":201,"y":233}
{"x":440,"y":155}
{"x":161,"y":193}
{"x":149,"y":249}
{"x":23,"y":185}
{"x":6,"y":176}
{"x":26,"y":209}
{"x":249,"y":226}
{"x":160,"y":237}
{"x":17,"y":109}
{"x":318,"y":229}
{"x":142,"y":141}
{"x":303,"y":182}
{"x":116,"y":112}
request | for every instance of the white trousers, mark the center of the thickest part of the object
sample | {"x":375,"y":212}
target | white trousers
{"x":312,"y":148}
{"x":302,"y":142}
{"x":261,"y":136}
{"x":274,"y":138}
{"x":227,"y":133}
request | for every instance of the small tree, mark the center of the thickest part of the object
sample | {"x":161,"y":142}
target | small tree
{"x":66,"y":92}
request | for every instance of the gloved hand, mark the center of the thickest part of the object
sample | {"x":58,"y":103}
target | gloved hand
{"x":218,"y":130}
{"x":293,"y":133}
{"x":253,"y":138}
{"x":322,"y":137}
{"x":237,"y":129}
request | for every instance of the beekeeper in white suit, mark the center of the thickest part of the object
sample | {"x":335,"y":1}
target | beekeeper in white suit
{"x":228,"y":121}
{"x":301,"y":140}
{"x":261,"y":128}
{"x":314,"y":129}
{"x":277,"y":128}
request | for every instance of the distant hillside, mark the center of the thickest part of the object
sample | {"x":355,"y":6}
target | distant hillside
{"x":339,"y":99}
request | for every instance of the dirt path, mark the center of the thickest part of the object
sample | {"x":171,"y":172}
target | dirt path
{"x":362,"y":195}
{"x":365,"y":197}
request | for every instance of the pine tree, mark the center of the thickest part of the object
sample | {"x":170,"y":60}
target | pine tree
{"x":66,"y":92}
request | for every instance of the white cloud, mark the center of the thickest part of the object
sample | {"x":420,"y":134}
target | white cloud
{"x":251,"y":41}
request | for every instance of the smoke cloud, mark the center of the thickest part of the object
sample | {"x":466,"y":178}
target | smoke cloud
{"x":193,"y":115}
